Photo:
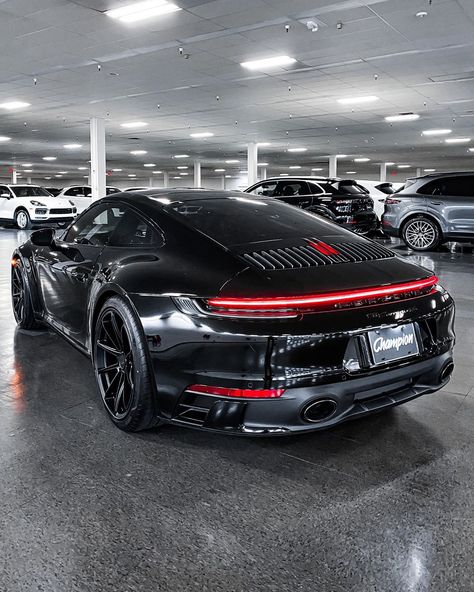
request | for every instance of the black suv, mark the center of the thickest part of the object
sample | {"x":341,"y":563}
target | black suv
{"x":341,"y":201}
{"x":431,"y":210}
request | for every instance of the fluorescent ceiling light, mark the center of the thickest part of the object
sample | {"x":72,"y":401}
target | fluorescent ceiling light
{"x":457,"y":140}
{"x":284,"y":175}
{"x":341,"y":155}
{"x":149,"y":165}
{"x":361,"y":159}
{"x":133,"y":124}
{"x":219,"y":170}
{"x":263,"y":164}
{"x":83,"y":168}
{"x":275,"y":62}
{"x":294,"y":167}
{"x":402,"y":117}
{"x":49,"y":158}
{"x":436,"y":132}
{"x":389,"y":163}
{"x":429,"y":170}
{"x":117,"y":170}
{"x":176,"y":177}
{"x":471,"y":149}
{"x":140,"y":11}
{"x":404,"y":166}
{"x":63,"y":172}
{"x":72,"y":146}
{"x":297,"y":150}
{"x":4,"y":139}
{"x":358,"y":100}
{"x":182,"y":168}
{"x":184,"y":174}
{"x":228,"y":176}
{"x":181,"y":156}
{"x":28,"y":170}
{"x":12,"y":105}
{"x":131,"y":175}
{"x":47,"y":178}
{"x":157,"y":172}
{"x":351,"y":172}
{"x":261,"y":144}
{"x":58,"y":176}
{"x":318,"y":169}
{"x":232,"y":161}
{"x":202,"y":135}
{"x":138,"y":152}
{"x":27,"y":164}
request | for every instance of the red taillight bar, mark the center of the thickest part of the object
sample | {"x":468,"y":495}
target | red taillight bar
{"x":323,"y":248}
{"x":313,"y":301}
{"x":222,"y":391}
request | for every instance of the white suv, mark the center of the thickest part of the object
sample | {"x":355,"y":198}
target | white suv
{"x":81,"y":195}
{"x":28,"y":205}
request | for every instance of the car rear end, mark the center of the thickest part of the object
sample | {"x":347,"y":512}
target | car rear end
{"x":400,"y":206}
{"x":352,"y":206}
{"x":305,"y":333}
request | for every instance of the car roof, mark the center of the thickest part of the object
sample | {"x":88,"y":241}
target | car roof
{"x":150,"y":196}
{"x":445,"y":174}
{"x":20,"y":185}
{"x":302,"y":178}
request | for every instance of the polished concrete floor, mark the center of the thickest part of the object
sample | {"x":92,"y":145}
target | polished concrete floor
{"x":384,"y":504}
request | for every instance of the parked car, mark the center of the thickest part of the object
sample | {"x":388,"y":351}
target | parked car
{"x":343,"y":202}
{"x":234,"y":313}
{"x":28,"y":205}
{"x":378,"y":191}
{"x":432,"y":210}
{"x":81,"y":195}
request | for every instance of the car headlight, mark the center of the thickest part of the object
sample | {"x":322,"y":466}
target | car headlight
{"x":34,"y":202}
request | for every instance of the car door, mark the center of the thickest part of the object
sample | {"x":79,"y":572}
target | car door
{"x":67,"y":270}
{"x":6,"y":204}
{"x":295,"y":193}
{"x":453,"y":198}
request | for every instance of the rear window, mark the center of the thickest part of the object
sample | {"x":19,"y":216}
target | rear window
{"x":243,"y":220}
{"x":344,"y":188}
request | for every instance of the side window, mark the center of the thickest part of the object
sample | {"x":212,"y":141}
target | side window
{"x":450,"y":186}
{"x":135,"y":231}
{"x":73,"y":192}
{"x":4,"y":191}
{"x":289,"y":188}
{"x":265,"y":189}
{"x":315,"y":189}
{"x":96,"y":226}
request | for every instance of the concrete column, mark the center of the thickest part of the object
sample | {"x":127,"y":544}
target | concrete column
{"x":333,"y":165}
{"x":197,"y":173}
{"x":383,"y":172}
{"x":166,"y":179}
{"x":252,"y":160}
{"x":263,"y":173}
{"x":98,"y":172}
{"x":151,"y":181}
{"x":419,"y":172}
{"x":223,"y":182}
{"x":14,"y":176}
{"x":28,"y":180}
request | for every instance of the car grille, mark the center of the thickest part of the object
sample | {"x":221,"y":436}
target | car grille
{"x":60,"y":211}
{"x":306,"y":256}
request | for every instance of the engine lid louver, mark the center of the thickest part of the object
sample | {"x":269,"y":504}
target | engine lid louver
{"x":306,"y":255}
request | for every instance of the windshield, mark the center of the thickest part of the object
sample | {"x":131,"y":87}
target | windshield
{"x":245,"y":220}
{"x":29,"y":191}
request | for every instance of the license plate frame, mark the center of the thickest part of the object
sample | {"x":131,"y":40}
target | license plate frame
{"x":391,"y":344}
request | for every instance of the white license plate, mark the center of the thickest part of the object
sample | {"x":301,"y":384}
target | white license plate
{"x":393,"y":343}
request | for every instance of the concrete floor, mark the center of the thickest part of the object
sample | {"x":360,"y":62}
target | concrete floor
{"x":383,"y":504}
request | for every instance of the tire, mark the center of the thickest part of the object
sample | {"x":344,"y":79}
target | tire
{"x":421,"y":234}
{"x":22,"y":220}
{"x":21,"y":298}
{"x":122,"y":368}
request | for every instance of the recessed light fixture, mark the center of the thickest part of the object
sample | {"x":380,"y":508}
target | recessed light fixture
{"x":351,"y":172}
{"x":27,"y":164}
{"x":294,"y":167}
{"x":265,"y":64}
{"x":133,"y":124}
{"x":317,"y":169}
{"x":457,"y":140}
{"x":219,"y":170}
{"x":138,"y":152}
{"x":284,"y":175}
{"x":184,"y":174}
{"x":117,"y":170}
{"x":341,"y":155}
{"x":63,"y":172}
{"x":182,"y":168}
{"x":72,"y":146}
{"x":149,"y":165}
{"x":436,"y":132}
{"x":131,"y":175}
{"x":12,"y":105}
{"x":429,"y":170}
{"x":4,"y":139}
{"x":228,"y":176}
{"x":389,"y":163}
{"x":263,"y":164}
{"x":28,"y":170}
{"x":404,"y":166}
{"x":181,"y":156}
{"x":47,"y":178}
{"x":402,"y":117}
{"x":49,"y":158}
{"x":157,"y":172}
{"x":232,"y":161}
{"x":82,"y":168}
{"x":297,"y":150}
{"x":176,"y":177}
{"x":139,"y":11}
{"x":202,"y":135}
{"x":421,"y":14}
{"x":358,"y":100}
{"x":362,"y":159}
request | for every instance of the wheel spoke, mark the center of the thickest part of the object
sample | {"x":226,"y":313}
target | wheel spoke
{"x":111,"y":390}
{"x":117,"y":332}
{"x":120,"y":392}
{"x":109,"y":349}
{"x":108,"y":369}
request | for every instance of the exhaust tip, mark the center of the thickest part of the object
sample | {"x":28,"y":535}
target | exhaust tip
{"x":320,"y":410}
{"x":446,"y":371}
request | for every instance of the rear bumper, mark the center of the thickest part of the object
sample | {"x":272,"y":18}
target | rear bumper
{"x":363,"y":222}
{"x":286,"y":415}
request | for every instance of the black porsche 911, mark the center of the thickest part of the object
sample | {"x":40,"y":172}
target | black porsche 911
{"x":234,"y":313}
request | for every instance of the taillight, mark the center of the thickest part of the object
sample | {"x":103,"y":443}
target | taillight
{"x":323,"y":248}
{"x":392,"y":200}
{"x":294,"y":304}
{"x":222,"y":391}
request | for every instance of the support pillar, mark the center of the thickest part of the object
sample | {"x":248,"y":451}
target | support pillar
{"x":197,"y":173}
{"x":263,"y":173}
{"x":150,"y":182}
{"x":14,"y":176}
{"x":252,"y":163}
{"x":223,"y":182}
{"x":419,"y":172}
{"x":333,"y":165}
{"x":166,"y":179}
{"x":98,"y":172}
{"x":28,"y":180}
{"x":383,"y":172}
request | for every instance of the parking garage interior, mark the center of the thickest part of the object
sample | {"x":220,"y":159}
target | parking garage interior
{"x":223,"y":95}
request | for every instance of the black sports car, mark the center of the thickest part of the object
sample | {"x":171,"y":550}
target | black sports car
{"x":235,"y":313}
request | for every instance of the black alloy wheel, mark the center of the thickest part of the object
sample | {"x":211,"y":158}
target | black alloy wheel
{"x":21,"y":298}
{"x":121,"y":367}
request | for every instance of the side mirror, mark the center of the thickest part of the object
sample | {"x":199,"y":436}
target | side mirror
{"x":43,"y":237}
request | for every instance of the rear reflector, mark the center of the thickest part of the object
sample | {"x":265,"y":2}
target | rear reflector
{"x":222,"y":391}
{"x":331,"y":299}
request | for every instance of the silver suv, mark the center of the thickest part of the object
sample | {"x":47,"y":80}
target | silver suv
{"x":432,"y":210}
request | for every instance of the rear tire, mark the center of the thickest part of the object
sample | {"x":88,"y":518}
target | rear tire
{"x":421,"y":234}
{"x":22,"y":220}
{"x":21,"y":298}
{"x":122,"y":368}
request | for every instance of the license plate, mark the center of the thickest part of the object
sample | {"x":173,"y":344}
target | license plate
{"x":390,"y":344}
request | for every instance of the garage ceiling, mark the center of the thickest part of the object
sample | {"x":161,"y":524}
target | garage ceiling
{"x":86,"y":64}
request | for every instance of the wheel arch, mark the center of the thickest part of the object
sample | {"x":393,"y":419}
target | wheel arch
{"x":428,"y":215}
